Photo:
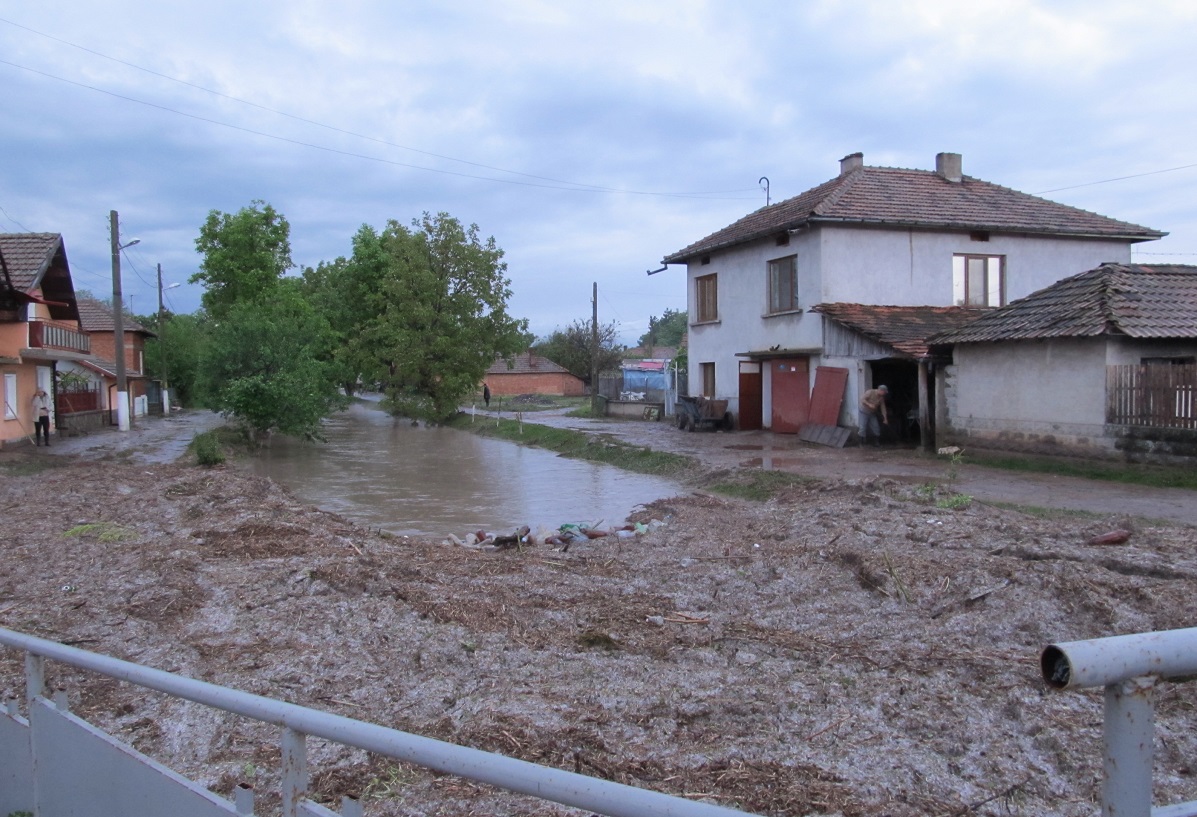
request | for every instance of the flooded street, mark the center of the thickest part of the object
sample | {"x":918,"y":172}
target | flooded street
{"x":381,"y":471}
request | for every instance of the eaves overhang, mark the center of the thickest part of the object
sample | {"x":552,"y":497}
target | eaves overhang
{"x":770,"y":354}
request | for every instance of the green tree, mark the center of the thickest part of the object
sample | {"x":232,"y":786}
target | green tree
{"x":245,"y":255}
{"x":268,"y":363}
{"x":572,"y":348}
{"x":433,"y":312}
{"x":179,"y":343}
{"x":667,"y":330}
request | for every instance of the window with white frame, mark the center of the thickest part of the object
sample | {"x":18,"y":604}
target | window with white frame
{"x":783,"y":284}
{"x":978,"y":280}
{"x":10,"y":396}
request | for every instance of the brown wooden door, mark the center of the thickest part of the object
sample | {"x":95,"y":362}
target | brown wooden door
{"x":791,"y":393}
{"x":751,"y":417}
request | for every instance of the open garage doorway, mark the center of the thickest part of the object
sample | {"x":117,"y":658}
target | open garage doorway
{"x":902,"y":379}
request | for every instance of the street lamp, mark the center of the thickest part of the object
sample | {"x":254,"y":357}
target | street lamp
{"x":162,"y":341}
{"x":118,"y":322}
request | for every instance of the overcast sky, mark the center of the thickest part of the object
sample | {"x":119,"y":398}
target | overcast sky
{"x":589,"y":138}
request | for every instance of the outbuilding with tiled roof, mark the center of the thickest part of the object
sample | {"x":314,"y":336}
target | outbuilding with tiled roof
{"x":1104,"y":361}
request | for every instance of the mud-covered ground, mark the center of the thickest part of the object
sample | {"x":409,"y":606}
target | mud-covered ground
{"x":851,"y":648}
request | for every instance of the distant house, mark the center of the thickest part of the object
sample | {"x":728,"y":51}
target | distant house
{"x":529,"y":373}
{"x":96,"y":320}
{"x":1099,"y":362}
{"x":39,"y":326}
{"x":912,"y":241}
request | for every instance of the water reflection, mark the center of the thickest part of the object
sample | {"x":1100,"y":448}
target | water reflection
{"x":383,"y":472}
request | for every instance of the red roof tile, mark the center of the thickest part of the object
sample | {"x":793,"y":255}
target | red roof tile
{"x":1139,"y":301}
{"x":526,"y":363}
{"x":96,"y":316}
{"x":905,"y":328}
{"x":916,"y":198}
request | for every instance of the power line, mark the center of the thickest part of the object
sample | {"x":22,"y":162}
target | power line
{"x":1118,"y":179}
{"x":571,"y":185}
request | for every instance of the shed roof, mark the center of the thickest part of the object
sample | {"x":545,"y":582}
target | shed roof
{"x":905,"y":328}
{"x":898,"y":197}
{"x":1135,"y":300}
{"x":96,"y":316}
{"x":526,"y":363}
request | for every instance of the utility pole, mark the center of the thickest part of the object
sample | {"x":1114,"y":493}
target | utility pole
{"x":594,"y":395}
{"x":162,"y":347}
{"x":118,"y":326}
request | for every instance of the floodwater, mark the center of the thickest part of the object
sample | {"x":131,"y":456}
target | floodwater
{"x":383,"y":472}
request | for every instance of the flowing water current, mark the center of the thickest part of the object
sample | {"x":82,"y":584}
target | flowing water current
{"x":382,"y":472}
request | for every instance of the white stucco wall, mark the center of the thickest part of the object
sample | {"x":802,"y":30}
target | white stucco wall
{"x":855,"y":265}
{"x":1029,"y":392}
{"x":914,"y":268}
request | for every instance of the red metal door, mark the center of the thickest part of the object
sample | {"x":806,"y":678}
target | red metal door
{"x":751,"y":416}
{"x":791,"y":394}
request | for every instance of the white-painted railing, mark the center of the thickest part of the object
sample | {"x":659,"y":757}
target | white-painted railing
{"x":74,"y":768}
{"x":1128,"y":666}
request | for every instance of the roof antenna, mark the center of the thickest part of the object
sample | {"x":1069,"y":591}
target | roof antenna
{"x":765,"y":179}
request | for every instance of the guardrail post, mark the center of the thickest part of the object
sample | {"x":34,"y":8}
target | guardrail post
{"x":295,"y":771}
{"x":1129,"y":730}
{"x":243,"y":800}
{"x":35,"y":677}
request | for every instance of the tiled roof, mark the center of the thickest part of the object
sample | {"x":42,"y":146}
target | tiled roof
{"x":658,"y":353}
{"x":905,"y":328}
{"x":96,"y":316}
{"x":1158,"y":301}
{"x":526,"y":363}
{"x":27,"y":256}
{"x":916,"y":198}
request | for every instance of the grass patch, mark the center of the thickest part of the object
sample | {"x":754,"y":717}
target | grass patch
{"x":214,"y":447}
{"x":579,"y":445}
{"x":104,"y":531}
{"x":533,"y":402}
{"x":758,"y":485}
{"x":31,"y":466}
{"x":1152,"y":476}
{"x":1047,"y":513}
{"x":954,"y":502}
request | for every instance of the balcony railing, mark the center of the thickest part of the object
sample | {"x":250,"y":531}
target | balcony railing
{"x":44,"y":335}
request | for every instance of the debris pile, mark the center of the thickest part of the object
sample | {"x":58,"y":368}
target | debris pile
{"x":560,"y":538}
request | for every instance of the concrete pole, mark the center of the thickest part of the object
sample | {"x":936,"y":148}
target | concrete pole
{"x":118,"y":326}
{"x":594,"y":395}
{"x":162,"y":347}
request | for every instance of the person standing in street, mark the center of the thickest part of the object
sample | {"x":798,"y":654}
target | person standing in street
{"x":873,"y":415}
{"x":41,"y":416}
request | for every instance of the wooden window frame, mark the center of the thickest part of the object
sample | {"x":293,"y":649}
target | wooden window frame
{"x":707,"y":371}
{"x":706,"y":298}
{"x":779,"y":299}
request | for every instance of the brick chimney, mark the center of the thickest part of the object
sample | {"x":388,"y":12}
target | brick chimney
{"x":948,"y":166}
{"x":851,"y":162}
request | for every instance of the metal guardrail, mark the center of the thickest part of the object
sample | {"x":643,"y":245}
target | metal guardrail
{"x":1128,"y":666}
{"x":48,"y":720}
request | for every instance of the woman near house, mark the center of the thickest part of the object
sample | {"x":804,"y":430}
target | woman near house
{"x":41,"y":416}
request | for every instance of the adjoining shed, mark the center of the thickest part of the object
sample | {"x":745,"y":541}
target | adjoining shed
{"x":1098,"y":363}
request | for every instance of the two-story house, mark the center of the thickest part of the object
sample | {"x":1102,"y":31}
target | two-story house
{"x":39,"y":325}
{"x":839,"y":287}
{"x":97,"y":322}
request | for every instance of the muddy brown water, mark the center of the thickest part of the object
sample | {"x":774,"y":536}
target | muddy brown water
{"x":383,"y":472}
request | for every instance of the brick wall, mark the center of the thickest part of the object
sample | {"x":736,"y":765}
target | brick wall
{"x":535,"y":383}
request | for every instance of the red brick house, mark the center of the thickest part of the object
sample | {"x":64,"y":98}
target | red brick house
{"x":532,"y":374}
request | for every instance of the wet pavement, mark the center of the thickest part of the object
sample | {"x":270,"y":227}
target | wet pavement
{"x":159,"y":439}
{"x":764,"y":449}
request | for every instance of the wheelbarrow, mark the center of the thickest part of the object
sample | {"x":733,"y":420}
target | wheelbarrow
{"x":702,"y":412}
